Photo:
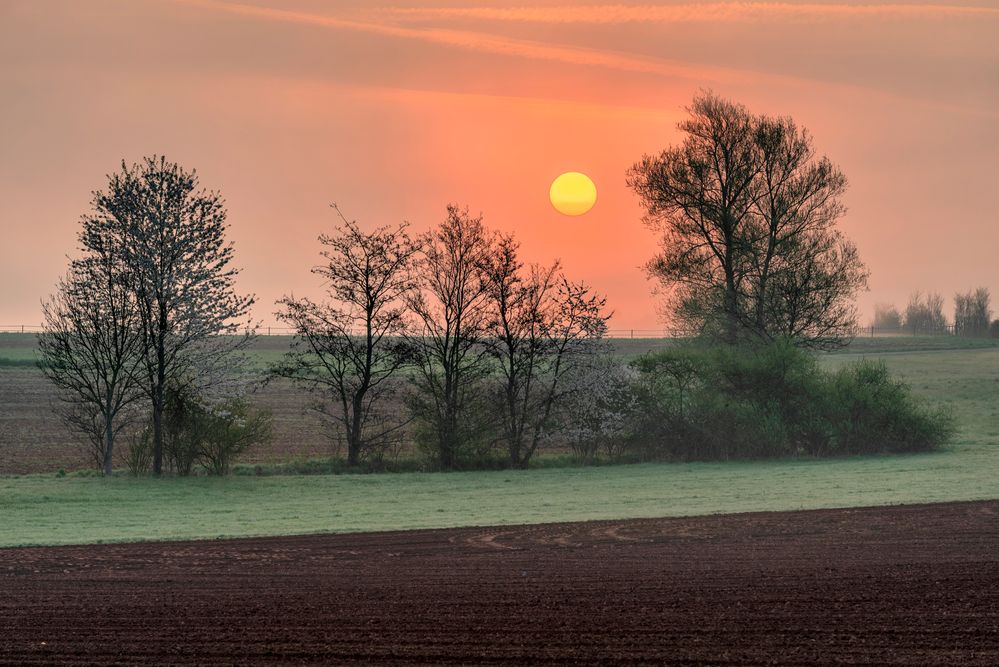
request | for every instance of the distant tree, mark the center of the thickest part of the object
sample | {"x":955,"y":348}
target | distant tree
{"x":972,"y":313}
{"x":91,"y":348}
{"x":924,"y":314}
{"x":541,"y":328}
{"x":887,"y":317}
{"x":177,"y":263}
{"x":749,"y":245}
{"x":451,"y":319}
{"x":351,"y":348}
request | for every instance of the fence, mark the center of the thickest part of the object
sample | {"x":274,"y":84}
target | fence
{"x":869,"y":331}
{"x":288,"y":331}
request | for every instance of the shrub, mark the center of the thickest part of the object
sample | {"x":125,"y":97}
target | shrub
{"x":139,"y":455}
{"x":197,"y":432}
{"x":773,"y":400}
{"x":870,"y":411}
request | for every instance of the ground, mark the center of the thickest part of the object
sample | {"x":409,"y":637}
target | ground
{"x":914,"y":585}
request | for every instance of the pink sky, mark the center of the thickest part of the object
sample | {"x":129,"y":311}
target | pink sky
{"x":395,"y":109}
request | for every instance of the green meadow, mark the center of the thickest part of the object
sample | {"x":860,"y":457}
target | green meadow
{"x":50,"y":509}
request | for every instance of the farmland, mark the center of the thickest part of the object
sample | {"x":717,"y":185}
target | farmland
{"x":49,"y":509}
{"x":900,"y":585}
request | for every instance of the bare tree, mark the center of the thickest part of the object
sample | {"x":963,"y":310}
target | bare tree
{"x":541,"y":325}
{"x":747,"y":214}
{"x":924,"y":314}
{"x":447,"y":341}
{"x":351,"y":348}
{"x":91,"y":348}
{"x":173,"y":249}
{"x":972,"y":313}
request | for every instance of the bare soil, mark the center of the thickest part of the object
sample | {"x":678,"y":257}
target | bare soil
{"x":910,"y":585}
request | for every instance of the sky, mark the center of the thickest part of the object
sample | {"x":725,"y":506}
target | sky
{"x":394,"y":109}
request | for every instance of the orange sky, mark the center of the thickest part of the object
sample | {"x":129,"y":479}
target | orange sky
{"x":395,"y":109}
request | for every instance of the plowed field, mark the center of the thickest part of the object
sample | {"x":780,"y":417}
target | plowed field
{"x":874,"y":586}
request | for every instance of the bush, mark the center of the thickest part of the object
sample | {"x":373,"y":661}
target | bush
{"x":771,"y":401}
{"x":210,"y":435}
{"x":870,"y":411}
{"x":139,"y":455}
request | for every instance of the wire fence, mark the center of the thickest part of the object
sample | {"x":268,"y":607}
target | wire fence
{"x":288,"y":331}
{"x":868,"y":331}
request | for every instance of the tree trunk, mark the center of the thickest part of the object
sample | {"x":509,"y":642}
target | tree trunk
{"x":354,"y":433}
{"x":158,"y":433}
{"x":108,"y":447}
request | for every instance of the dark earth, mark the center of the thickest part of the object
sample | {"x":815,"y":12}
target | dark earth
{"x":874,"y":586}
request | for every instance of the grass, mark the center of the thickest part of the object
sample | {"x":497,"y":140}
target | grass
{"x":47,"y":509}
{"x":53,"y":510}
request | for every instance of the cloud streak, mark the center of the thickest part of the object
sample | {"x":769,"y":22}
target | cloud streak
{"x":499,"y":45}
{"x":729,"y":12}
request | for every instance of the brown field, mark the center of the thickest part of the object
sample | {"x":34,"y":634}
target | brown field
{"x":912,"y":585}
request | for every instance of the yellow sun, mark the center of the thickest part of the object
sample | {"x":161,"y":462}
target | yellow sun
{"x":573,"y":193}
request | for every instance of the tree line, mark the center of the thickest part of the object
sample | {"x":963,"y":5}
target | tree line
{"x":478,"y":345}
{"x":449,"y":340}
{"x":925,"y":314}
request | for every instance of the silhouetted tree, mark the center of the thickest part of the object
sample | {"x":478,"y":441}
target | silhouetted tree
{"x":925,"y":314}
{"x":887,"y":317}
{"x":351,"y":347}
{"x":451,"y":319}
{"x":91,"y":348}
{"x":747,"y":214}
{"x":972,"y":313}
{"x":171,"y":238}
{"x":541,"y":327}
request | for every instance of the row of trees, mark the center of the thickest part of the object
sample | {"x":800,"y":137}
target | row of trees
{"x":448,"y":337}
{"x":146,"y":328}
{"x":478,"y":344}
{"x":925,"y":314}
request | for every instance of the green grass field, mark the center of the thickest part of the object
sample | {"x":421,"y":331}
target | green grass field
{"x":49,"y":510}
{"x":46,"y":509}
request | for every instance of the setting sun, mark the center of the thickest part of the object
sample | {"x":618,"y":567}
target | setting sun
{"x":573,"y":193}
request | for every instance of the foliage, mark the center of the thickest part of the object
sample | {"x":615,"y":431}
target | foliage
{"x":772,"y":401}
{"x":747,"y":214}
{"x":350,"y":348}
{"x":869,"y":410}
{"x":200,"y":433}
{"x":599,"y":411}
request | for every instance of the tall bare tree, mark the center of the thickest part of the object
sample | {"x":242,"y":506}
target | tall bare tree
{"x":91,"y":348}
{"x":451,"y":319}
{"x":747,"y":214}
{"x":541,"y":325}
{"x":171,"y":236}
{"x":351,"y":348}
